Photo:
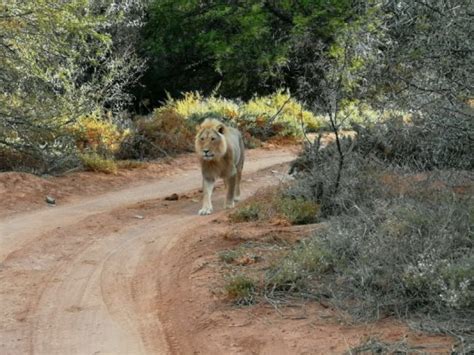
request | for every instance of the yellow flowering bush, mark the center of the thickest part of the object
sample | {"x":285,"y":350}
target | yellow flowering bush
{"x":99,"y":134}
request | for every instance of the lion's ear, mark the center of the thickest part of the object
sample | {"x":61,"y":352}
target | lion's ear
{"x":220,"y":129}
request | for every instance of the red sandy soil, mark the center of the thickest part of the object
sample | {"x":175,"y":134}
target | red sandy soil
{"x":21,"y":192}
{"x":115,"y":268}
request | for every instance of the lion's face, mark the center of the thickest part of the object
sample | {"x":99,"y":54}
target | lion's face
{"x":210,"y":144}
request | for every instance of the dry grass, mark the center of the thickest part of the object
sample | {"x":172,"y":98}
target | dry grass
{"x":272,"y":205}
{"x":130,"y":164}
{"x":97,"y":163}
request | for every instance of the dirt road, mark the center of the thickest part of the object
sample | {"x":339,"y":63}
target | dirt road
{"x":84,"y":278}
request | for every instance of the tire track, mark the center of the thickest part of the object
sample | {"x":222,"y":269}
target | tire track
{"x":90,"y":276}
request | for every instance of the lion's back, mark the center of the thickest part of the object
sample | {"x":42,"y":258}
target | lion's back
{"x":234,"y":139}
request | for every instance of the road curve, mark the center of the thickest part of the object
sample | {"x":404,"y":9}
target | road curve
{"x":81,"y":278}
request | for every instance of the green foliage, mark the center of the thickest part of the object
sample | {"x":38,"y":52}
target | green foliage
{"x":297,"y":270}
{"x":398,"y":242}
{"x":99,"y":134}
{"x":298,"y":210}
{"x":286,"y":111}
{"x":97,"y":163}
{"x":228,"y":256}
{"x":163,"y":133}
{"x":241,"y":47}
{"x":420,"y":142}
{"x":274,"y":115}
{"x":241,"y":289}
{"x":58,"y":63}
{"x":248,"y":213}
{"x":414,"y":256}
{"x":269,"y":205}
{"x":195,"y":107}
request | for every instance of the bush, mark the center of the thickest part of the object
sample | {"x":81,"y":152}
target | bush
{"x":298,"y":210}
{"x":68,"y":62}
{"x":194,"y":105}
{"x":56,"y":153}
{"x":290,"y":118}
{"x":164,"y":133}
{"x":405,"y":256}
{"x":318,"y":171}
{"x":241,"y":289}
{"x":97,"y":163}
{"x":296,"y":271}
{"x":420,"y":143}
{"x":252,"y":118}
{"x":248,"y":213}
{"x":96,"y":133}
{"x":269,"y":205}
{"x":397,"y":243}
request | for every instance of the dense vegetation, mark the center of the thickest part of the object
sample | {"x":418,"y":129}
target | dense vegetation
{"x":60,"y":61}
{"x":90,"y":83}
{"x":239,"y":47}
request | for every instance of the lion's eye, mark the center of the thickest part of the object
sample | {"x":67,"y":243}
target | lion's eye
{"x":202,"y":138}
{"x":212,"y":138}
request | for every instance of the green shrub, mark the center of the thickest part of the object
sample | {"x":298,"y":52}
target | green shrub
{"x":97,"y":133}
{"x":250,"y":212}
{"x":268,"y":205}
{"x":291,"y":114}
{"x":298,"y":210}
{"x":251,"y":118}
{"x":318,"y":169}
{"x":228,"y":256}
{"x":419,"y":142}
{"x":193,"y":104}
{"x":19,"y":160}
{"x":298,"y":269}
{"x":241,"y":289}
{"x":405,"y":255}
{"x":97,"y":163}
{"x":164,"y":133}
{"x":398,"y":241}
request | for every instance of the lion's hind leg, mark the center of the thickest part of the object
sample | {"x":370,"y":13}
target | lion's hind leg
{"x":238,"y":178}
{"x":230,"y":198}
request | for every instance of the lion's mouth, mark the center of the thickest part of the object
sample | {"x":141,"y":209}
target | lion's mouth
{"x":207,"y":156}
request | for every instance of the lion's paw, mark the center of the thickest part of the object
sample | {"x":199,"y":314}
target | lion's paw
{"x":229,"y":205}
{"x":205,"y":211}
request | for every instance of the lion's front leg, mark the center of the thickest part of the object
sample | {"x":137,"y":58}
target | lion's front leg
{"x":207,"y":187}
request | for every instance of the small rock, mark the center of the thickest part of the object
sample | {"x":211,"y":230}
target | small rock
{"x":50,"y":200}
{"x":173,"y":197}
{"x":274,"y":171}
{"x":138,"y":216}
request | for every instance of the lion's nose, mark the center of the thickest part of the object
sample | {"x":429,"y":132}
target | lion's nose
{"x":205,"y":151}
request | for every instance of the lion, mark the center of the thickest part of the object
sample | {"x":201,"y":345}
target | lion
{"x":221,"y":154}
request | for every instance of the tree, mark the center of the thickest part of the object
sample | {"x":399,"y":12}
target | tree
{"x":412,"y":63}
{"x":336,"y":80}
{"x":58,"y":62}
{"x":411,"y":57}
{"x":429,"y":71}
{"x":239,"y":47}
